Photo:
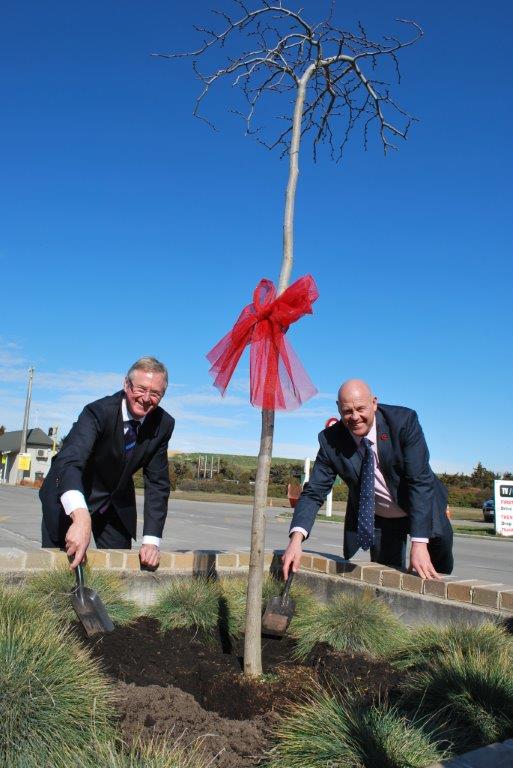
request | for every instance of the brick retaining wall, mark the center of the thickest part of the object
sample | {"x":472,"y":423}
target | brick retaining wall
{"x":474,"y":592}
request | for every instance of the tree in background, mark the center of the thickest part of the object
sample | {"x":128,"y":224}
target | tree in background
{"x":2,"y":429}
{"x":482,"y":477}
{"x":326,"y":81}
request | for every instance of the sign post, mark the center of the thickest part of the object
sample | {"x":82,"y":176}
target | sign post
{"x":503,"y":492}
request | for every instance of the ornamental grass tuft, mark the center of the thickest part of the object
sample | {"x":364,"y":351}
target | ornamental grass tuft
{"x":152,"y":754}
{"x":327,"y":731}
{"x":53,"y":589}
{"x":54,"y":701}
{"x":233,"y":597}
{"x":187,"y":604}
{"x":427,"y":643}
{"x":469,"y":695}
{"x":348,"y":623}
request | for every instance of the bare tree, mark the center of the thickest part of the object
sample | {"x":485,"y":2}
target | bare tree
{"x":326,"y":78}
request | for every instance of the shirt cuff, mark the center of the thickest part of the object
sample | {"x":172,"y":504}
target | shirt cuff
{"x":419,"y":539}
{"x":301,"y":530}
{"x":72,"y":500}
{"x":151,"y":540}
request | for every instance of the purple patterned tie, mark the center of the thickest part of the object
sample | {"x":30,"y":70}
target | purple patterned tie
{"x":366,"y":506}
{"x":131,"y":436}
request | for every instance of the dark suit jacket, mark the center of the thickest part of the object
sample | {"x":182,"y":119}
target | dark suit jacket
{"x":404,"y":461}
{"x":92,"y":460}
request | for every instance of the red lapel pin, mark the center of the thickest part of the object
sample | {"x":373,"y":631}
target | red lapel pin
{"x":384,"y":436}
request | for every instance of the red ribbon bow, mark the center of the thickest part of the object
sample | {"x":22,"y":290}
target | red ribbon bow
{"x":278,"y":381}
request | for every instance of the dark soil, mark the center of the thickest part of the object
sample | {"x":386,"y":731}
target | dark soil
{"x":182,"y":684}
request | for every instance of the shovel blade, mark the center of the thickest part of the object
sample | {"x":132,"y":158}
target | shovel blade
{"x":277,"y":616}
{"x":90,"y":610}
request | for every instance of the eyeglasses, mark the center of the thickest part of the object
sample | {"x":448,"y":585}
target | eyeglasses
{"x":152,"y":393}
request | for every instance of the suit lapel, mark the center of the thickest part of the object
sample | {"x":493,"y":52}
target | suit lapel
{"x":350,"y":451}
{"x":119,"y":437}
{"x":384,"y":445}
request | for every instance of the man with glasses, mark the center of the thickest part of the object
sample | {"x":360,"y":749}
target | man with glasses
{"x":89,"y":488}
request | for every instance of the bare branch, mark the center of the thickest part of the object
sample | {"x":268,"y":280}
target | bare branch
{"x":341,"y":89}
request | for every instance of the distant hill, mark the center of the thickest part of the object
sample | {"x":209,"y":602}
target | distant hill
{"x":241,"y":462}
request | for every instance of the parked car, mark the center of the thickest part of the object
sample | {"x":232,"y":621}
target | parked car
{"x":489,"y":511}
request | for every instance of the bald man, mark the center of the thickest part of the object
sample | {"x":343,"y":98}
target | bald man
{"x":381,"y":454}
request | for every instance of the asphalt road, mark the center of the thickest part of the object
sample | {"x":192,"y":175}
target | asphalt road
{"x":226,"y":527}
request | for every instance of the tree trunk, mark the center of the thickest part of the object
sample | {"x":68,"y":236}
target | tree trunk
{"x":253,"y":631}
{"x":253,"y":627}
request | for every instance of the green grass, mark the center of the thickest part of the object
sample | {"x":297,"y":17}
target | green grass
{"x":326,"y":731}
{"x":469,"y":695}
{"x":53,"y":588}
{"x":349,"y":623}
{"x":54,"y":701}
{"x":428,"y":643}
{"x":234,"y":590}
{"x":321,"y":517}
{"x":153,"y":754}
{"x":470,"y":531}
{"x":187,"y":604}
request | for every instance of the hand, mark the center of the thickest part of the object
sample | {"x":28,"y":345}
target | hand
{"x":292,"y":555}
{"x":421,"y":562}
{"x":78,"y":536}
{"x":149,"y":555}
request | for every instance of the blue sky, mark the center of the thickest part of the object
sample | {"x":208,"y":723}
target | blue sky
{"x":128,"y":227}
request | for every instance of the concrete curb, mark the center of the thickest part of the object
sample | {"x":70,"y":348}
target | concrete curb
{"x":471,"y":592}
{"x":498,"y":755}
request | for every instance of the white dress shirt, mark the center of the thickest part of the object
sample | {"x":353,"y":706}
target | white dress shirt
{"x":72,"y":500}
{"x":384,"y":504}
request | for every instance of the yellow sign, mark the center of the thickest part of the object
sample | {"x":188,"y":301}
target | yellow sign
{"x":4,"y":459}
{"x":24,"y":461}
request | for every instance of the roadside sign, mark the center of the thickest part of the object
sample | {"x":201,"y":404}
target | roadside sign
{"x":24,"y":461}
{"x":503,"y":507}
{"x":4,"y":459}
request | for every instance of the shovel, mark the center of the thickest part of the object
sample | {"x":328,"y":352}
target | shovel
{"x":278,"y":612}
{"x":89,"y":608}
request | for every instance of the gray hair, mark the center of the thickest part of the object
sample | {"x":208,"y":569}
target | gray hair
{"x":148,"y":364}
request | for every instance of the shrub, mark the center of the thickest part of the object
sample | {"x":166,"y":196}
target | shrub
{"x":427,"y":643}
{"x":53,"y":589}
{"x":468,"y":695}
{"x":325,"y":731}
{"x":54,"y":700}
{"x":349,"y":623}
{"x":187,"y":604}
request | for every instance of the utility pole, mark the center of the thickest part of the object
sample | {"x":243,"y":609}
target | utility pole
{"x":23,"y":446}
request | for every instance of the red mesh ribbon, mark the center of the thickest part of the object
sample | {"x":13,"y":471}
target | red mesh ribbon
{"x":278,"y":381}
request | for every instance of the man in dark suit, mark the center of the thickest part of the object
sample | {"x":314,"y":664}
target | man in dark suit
{"x":381,"y":454}
{"x":89,"y":487}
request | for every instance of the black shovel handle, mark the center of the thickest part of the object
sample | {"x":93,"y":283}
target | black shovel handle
{"x":79,"y":574}
{"x":285,"y":595}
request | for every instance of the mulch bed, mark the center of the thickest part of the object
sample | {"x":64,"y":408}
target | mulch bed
{"x":191,"y":687}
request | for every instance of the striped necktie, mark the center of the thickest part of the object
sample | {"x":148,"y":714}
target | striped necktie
{"x":131,"y":436}
{"x":366,"y":507}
